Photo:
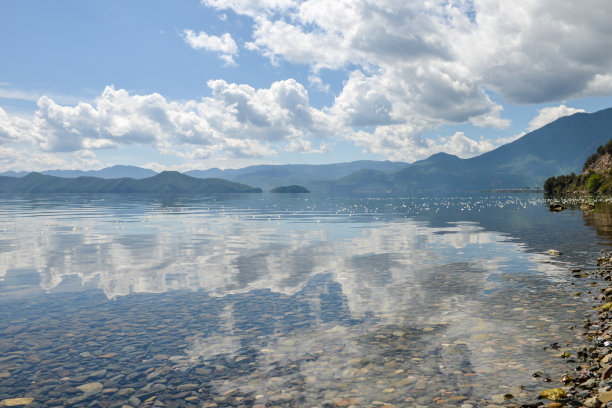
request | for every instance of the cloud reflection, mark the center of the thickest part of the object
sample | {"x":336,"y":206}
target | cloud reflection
{"x":313,"y":305}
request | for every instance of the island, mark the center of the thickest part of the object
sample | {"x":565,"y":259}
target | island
{"x":290,"y":189}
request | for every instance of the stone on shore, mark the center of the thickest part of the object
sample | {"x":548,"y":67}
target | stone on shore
{"x":554,"y":394}
{"x":605,"y":397}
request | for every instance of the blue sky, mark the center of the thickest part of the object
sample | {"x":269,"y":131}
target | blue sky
{"x":227,"y":83}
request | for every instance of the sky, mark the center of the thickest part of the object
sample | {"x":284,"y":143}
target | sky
{"x":195,"y":84}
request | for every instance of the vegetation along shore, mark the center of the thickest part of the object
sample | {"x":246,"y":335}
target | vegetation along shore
{"x":596,"y":176}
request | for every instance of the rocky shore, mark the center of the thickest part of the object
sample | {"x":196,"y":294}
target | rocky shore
{"x":590,"y":383}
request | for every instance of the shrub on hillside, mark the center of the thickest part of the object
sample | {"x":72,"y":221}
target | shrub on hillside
{"x":593,"y":183}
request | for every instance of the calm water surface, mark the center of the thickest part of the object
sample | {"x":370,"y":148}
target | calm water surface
{"x":289,"y":300}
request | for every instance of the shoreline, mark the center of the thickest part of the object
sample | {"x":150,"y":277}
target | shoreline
{"x":589,"y":384}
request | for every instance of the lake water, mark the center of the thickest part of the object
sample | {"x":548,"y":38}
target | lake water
{"x":290,"y":300}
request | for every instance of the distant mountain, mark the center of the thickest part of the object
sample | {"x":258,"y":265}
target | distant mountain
{"x":165,"y":182}
{"x":11,"y":173}
{"x":113,"y":172}
{"x":561,"y":147}
{"x":309,"y":175}
{"x":557,"y":148}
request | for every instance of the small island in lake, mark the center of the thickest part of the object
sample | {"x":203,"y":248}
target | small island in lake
{"x":596,"y":176}
{"x":290,"y":189}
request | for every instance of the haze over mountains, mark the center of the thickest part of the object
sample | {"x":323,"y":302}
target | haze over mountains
{"x":118,"y":171}
{"x":167,"y":182}
{"x":560,"y":147}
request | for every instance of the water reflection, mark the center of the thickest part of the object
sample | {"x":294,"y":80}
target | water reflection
{"x":599,"y":216}
{"x":279,"y":302}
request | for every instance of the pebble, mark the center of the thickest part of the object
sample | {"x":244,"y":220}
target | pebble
{"x":187,"y":387}
{"x":125,"y":392}
{"x":133,"y":401}
{"x":553,"y":394}
{"x":91,"y":388}
{"x":15,"y":402}
{"x":398,"y":363}
{"x":605,"y":397}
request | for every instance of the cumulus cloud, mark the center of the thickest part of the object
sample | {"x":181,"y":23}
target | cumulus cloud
{"x":251,"y":7}
{"x":409,"y":67}
{"x":405,"y":143}
{"x":438,"y":60}
{"x":224,"y":44}
{"x":12,"y":158}
{"x":548,"y":115}
{"x":236,"y":121}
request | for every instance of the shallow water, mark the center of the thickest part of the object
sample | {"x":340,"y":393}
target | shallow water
{"x":290,"y":300}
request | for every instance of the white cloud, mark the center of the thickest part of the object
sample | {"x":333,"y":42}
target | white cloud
{"x":305,"y":146}
{"x":411,"y":66}
{"x":364,"y":101}
{"x":251,"y":7}
{"x":548,"y":115}
{"x":19,"y":94}
{"x":12,"y":158}
{"x":434,"y":62}
{"x":317,"y":82}
{"x":491,"y":119}
{"x":237,"y":121}
{"x":462,"y":146}
{"x":224,"y":44}
{"x":405,"y":143}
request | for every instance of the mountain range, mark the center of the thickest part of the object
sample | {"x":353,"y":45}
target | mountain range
{"x":166,"y":182}
{"x":561,"y":147}
{"x":558,"y":148}
{"x":118,"y":171}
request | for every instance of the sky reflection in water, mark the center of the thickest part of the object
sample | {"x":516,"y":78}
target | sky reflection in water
{"x":301,"y":297}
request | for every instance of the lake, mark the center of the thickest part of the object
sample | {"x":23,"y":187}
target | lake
{"x":291,"y":300}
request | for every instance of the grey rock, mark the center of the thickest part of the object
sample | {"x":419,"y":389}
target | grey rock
{"x":187,"y":387}
{"x":134,"y":401}
{"x":91,"y":388}
{"x":98,"y":374}
{"x":124,"y":392}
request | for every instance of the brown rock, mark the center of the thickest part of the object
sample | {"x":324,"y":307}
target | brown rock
{"x":345,"y":402}
{"x":605,"y":397}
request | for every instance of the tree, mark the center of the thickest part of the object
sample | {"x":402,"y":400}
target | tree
{"x":593,"y":183}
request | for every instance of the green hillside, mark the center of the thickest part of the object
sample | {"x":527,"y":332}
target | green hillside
{"x":596,"y":176}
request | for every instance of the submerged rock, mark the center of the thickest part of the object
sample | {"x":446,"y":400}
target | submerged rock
{"x":91,"y":388}
{"x":15,"y":402}
{"x":556,"y":207}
